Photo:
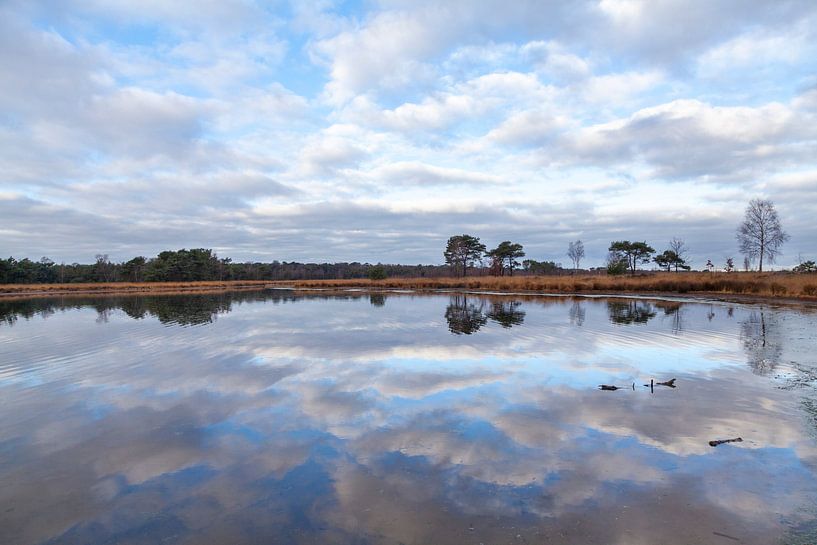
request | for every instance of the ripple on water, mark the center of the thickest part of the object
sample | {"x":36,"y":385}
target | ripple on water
{"x":402,"y":418}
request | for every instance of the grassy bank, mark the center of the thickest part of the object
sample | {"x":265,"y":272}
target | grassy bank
{"x":7,"y":290}
{"x":773,"y":285}
{"x":766,"y":285}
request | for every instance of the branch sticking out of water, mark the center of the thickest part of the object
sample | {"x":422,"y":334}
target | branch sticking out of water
{"x":722,"y":441}
{"x":669,"y":383}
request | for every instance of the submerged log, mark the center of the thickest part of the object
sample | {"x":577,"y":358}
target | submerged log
{"x":670,"y":383}
{"x":722,"y":441}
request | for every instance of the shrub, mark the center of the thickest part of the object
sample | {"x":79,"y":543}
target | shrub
{"x":805,"y":267}
{"x":616,"y":267}
{"x":377,"y":273}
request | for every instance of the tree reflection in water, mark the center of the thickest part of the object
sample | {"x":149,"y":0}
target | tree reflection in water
{"x":760,"y":330}
{"x":465,"y":316}
{"x":673,"y":310}
{"x":506,"y":313}
{"x":186,"y":309}
{"x":761,"y":337}
{"x":630,"y":312}
{"x":577,"y":313}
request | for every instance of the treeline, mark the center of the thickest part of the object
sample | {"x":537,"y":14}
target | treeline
{"x":191,"y":265}
{"x":465,"y":252}
{"x":760,"y":237}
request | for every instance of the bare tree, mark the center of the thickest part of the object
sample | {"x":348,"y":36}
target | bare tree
{"x":575,"y":251}
{"x":760,"y":235}
{"x":680,"y":248}
{"x":103,"y":268}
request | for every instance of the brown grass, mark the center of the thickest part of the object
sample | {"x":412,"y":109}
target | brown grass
{"x":7,"y":290}
{"x":761,"y":285}
{"x":765,"y":285}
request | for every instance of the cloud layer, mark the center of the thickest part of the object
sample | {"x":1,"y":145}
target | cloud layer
{"x":324,"y":132}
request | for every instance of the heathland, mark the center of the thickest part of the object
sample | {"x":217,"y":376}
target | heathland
{"x":775,"y":285}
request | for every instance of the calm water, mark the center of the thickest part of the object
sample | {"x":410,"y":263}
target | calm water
{"x":262,"y":417}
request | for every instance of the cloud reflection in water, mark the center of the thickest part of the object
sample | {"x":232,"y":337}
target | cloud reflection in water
{"x":377,"y":419}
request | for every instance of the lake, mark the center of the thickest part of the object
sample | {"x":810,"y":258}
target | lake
{"x":356,"y":418}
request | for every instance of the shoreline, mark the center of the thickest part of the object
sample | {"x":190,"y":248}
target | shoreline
{"x":697,"y":297}
{"x":527,"y":286}
{"x":784,"y":288}
{"x":9,"y":291}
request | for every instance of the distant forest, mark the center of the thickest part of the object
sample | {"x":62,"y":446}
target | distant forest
{"x":195,"y":264}
{"x":760,"y":237}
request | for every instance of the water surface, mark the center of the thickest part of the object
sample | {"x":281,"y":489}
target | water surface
{"x":271,"y":417}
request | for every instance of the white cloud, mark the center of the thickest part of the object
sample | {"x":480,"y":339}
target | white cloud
{"x":689,"y":138}
{"x":414,"y":173}
{"x":330,"y":151}
{"x":388,"y":51}
{"x":433,"y":113}
{"x":383,"y":118}
{"x":137,"y":122}
{"x":555,"y":61}
{"x":754,"y":49}
{"x":532,"y":128}
{"x":616,"y":90}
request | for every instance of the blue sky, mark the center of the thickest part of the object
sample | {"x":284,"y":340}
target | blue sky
{"x":373,"y":131}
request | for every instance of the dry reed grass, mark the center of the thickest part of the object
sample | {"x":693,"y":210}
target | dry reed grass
{"x":774,"y":285}
{"x":127,"y":287}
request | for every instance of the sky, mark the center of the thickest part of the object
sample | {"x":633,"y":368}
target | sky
{"x":374,"y":130}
